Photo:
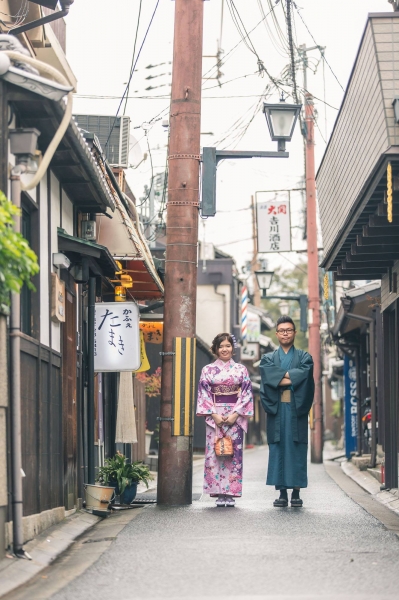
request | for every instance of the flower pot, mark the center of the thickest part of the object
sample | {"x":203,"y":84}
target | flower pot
{"x":129,"y":493}
{"x":98,"y":496}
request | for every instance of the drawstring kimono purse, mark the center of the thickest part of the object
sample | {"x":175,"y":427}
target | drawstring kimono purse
{"x":224,"y":446}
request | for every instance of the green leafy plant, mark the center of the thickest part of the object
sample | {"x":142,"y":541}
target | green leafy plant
{"x":118,"y":470}
{"x":18,"y":262}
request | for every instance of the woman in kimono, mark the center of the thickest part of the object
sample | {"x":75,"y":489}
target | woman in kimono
{"x":225,"y":400}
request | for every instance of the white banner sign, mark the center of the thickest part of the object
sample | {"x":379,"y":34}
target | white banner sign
{"x":253,"y":327}
{"x":116,"y":337}
{"x":250,"y":351}
{"x":274,"y":226}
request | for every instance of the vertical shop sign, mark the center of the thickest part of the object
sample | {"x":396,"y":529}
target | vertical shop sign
{"x":274,"y":226}
{"x":116,"y":337}
{"x":350,"y":406}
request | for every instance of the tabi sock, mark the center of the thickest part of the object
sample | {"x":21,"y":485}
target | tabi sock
{"x":283,"y":495}
{"x":295,"y":495}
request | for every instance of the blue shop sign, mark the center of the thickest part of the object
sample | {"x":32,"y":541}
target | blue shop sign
{"x":350,"y":406}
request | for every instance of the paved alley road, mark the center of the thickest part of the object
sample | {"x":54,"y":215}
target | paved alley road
{"x":331,"y":549}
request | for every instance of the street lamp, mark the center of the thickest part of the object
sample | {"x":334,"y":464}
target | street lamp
{"x":284,"y":307}
{"x":264,"y":279}
{"x":281,"y":119}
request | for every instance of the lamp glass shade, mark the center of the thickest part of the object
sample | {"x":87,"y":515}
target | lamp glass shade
{"x":284,"y":307}
{"x":264,"y":279}
{"x":281,"y":119}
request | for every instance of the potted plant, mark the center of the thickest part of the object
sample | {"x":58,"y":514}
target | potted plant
{"x":124,"y":476}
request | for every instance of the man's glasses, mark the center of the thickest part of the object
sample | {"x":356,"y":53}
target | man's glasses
{"x":285,"y":331}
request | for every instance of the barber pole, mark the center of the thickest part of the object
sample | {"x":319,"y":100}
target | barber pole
{"x":244,"y":312}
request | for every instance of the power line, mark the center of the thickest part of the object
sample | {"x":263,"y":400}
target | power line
{"x":321,"y":51}
{"x":291,"y":46}
{"x":134,"y":52}
{"x":132,"y":71}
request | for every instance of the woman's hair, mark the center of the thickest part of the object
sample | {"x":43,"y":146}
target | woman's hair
{"x":221,"y":337}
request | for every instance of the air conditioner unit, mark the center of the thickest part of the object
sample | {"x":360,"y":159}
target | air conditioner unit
{"x":113,"y":135}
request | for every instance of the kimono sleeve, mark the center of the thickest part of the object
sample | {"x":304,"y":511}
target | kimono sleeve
{"x":271,"y":375}
{"x":245,"y":403}
{"x":204,"y":397}
{"x":303,"y":384}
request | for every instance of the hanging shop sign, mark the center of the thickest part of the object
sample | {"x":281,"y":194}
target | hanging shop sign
{"x":253,"y":327}
{"x":274,"y":226}
{"x":250,"y":352}
{"x":350,"y":406}
{"x":116,"y":337}
{"x":144,"y":364}
{"x":153,"y":331}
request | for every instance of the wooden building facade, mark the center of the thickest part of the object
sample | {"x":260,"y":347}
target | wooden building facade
{"x":358,"y":193}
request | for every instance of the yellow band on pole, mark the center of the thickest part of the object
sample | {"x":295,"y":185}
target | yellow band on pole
{"x":389,"y":192}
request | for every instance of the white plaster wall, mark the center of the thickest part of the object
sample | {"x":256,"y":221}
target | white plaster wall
{"x":55,"y":223}
{"x":44,"y":266}
{"x":210,"y":318}
{"x":67,"y":214}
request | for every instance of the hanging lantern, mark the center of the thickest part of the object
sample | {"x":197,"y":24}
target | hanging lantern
{"x":120,"y":293}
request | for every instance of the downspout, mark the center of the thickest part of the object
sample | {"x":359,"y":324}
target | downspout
{"x":65,"y":4}
{"x":359,"y":404}
{"x":15,"y":388}
{"x":90,"y":379}
{"x":371,"y":323}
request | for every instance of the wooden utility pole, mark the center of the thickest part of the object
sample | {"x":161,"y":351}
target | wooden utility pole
{"x":175,"y":452}
{"x":313,"y":283}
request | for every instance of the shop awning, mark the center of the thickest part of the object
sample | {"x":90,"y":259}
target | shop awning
{"x":125,"y":244}
{"x":100,"y":259}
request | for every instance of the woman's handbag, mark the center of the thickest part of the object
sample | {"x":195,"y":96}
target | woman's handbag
{"x":224,"y":446}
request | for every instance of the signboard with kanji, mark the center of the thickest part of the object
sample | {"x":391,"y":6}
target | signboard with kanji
{"x":250,"y":351}
{"x":253,"y":327}
{"x":116,"y":337}
{"x":274,"y":226}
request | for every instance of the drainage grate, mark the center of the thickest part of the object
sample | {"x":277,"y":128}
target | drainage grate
{"x":150,"y":498}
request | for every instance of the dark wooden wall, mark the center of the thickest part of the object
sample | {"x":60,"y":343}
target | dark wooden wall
{"x":41,"y":428}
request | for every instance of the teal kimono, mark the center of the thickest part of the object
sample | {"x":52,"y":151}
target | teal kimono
{"x":287,"y":423}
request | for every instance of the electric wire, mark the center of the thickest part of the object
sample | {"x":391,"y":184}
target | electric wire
{"x":321,"y":51}
{"x":132,"y":71}
{"x":133,"y":55}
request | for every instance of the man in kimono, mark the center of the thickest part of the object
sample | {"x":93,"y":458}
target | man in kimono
{"x":287,"y":390}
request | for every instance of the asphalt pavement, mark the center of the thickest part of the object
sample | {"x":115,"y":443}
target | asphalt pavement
{"x":331,"y":549}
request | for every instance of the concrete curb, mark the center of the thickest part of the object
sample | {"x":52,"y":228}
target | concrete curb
{"x":390,"y":498}
{"x":44,"y":549}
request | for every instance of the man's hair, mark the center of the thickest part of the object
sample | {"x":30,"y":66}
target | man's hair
{"x":285,"y":319}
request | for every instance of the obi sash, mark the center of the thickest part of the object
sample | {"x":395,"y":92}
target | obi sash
{"x":221,"y":395}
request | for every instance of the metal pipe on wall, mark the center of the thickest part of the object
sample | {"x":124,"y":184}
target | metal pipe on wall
{"x":90,"y":379}
{"x":15,"y":389}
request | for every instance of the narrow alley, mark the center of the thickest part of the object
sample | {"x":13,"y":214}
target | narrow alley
{"x":331,"y":549}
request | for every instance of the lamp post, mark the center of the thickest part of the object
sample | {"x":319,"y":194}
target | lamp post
{"x":280,"y":118}
{"x":264,"y":279}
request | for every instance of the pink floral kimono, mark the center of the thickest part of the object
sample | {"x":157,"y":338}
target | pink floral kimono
{"x":224,"y":388}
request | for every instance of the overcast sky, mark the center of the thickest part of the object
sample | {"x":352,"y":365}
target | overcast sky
{"x":99,"y":48}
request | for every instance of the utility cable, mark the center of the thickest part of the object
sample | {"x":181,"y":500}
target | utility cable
{"x":131,"y":74}
{"x":52,"y":147}
{"x":291,"y":45}
{"x":134,"y":53}
{"x":321,"y":51}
